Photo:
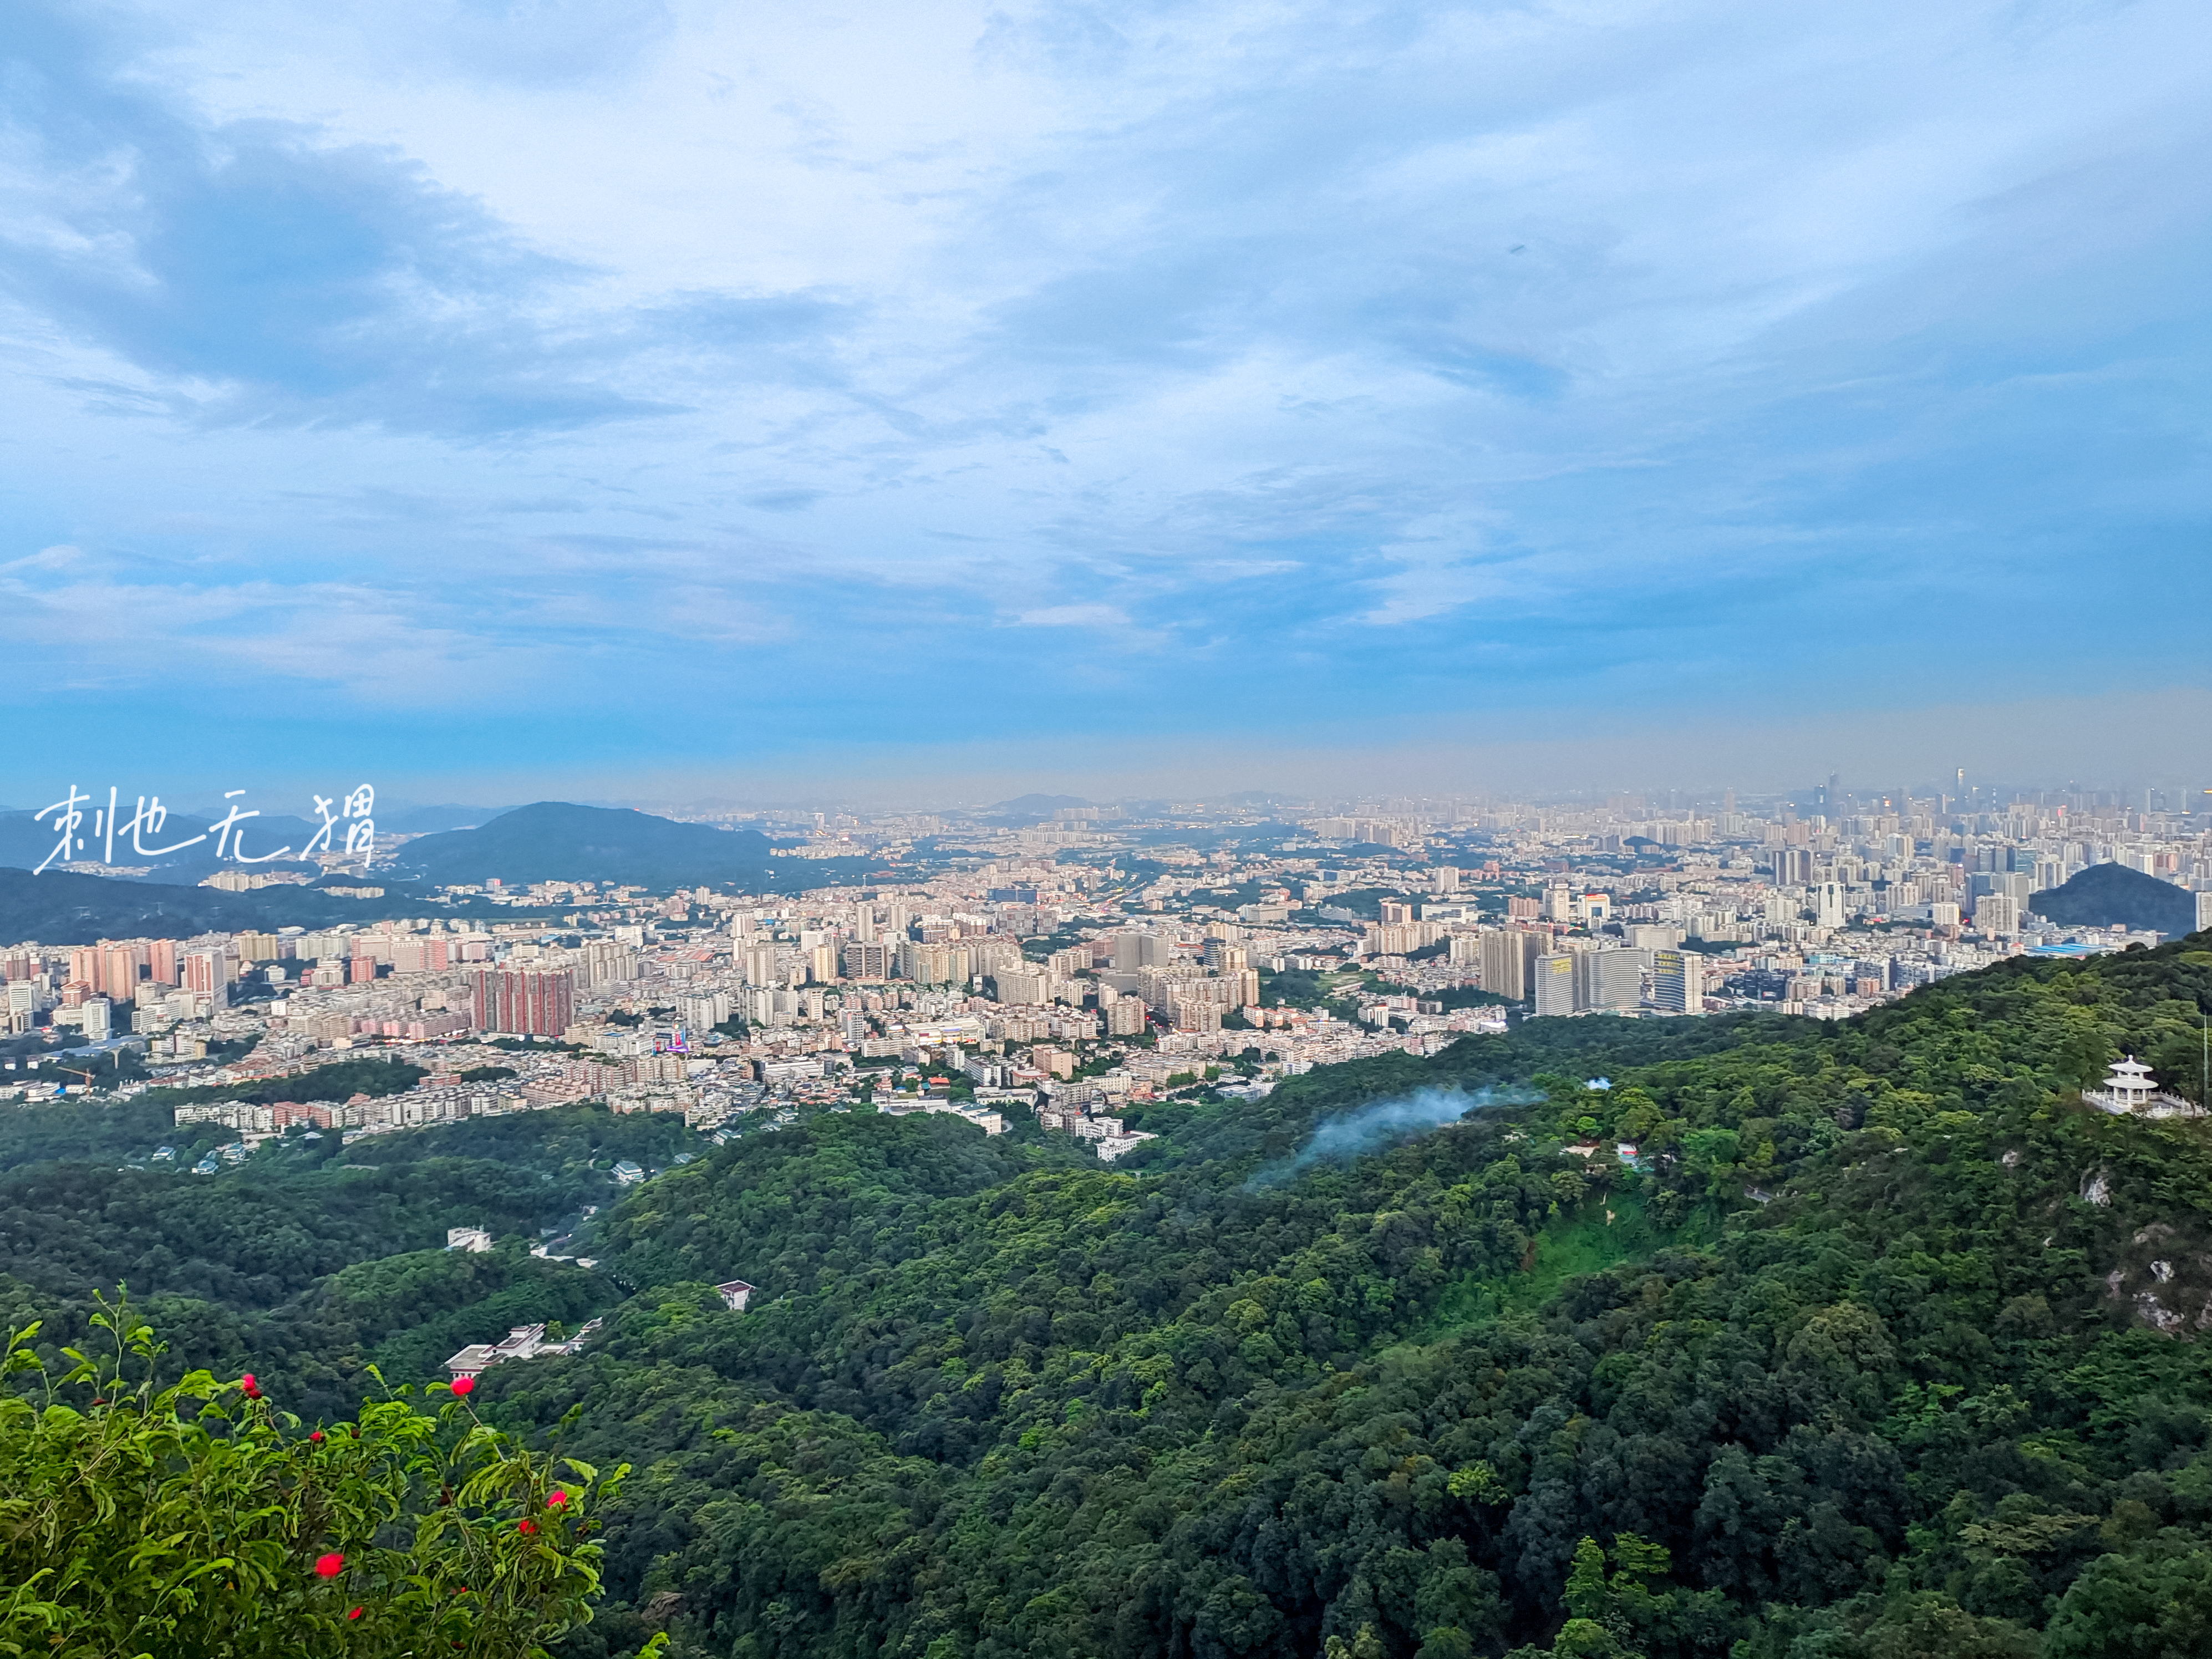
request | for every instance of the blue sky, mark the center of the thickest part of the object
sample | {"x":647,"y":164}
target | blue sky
{"x":635,"y":397}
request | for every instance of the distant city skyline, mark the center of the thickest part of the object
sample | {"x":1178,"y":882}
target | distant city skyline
{"x":2123,"y":740}
{"x":644,"y":401}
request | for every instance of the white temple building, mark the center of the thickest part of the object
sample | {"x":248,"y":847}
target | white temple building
{"x":2127,"y":1089}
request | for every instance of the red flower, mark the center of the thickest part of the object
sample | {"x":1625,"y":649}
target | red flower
{"x":558,"y":1497}
{"x":526,"y":1527}
{"x":252,"y":1389}
{"x":331,"y":1565}
{"x":317,"y":1437}
{"x":464,"y":1386}
{"x":355,"y":1613}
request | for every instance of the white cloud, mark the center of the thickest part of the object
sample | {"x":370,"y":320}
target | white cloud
{"x":1074,"y":616}
{"x":1611,"y":333}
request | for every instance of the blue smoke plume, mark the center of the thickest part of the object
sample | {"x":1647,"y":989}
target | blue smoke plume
{"x":1388,"y":1123}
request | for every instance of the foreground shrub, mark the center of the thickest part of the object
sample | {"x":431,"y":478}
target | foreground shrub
{"x":199,"y":1519}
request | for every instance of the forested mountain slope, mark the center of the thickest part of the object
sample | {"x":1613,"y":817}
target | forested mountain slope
{"x":1893,"y":1347}
{"x":313,"y":1261}
{"x":1886,"y":1346}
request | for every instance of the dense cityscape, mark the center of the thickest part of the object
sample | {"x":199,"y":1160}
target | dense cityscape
{"x":1079,"y":961}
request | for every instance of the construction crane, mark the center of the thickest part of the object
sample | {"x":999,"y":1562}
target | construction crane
{"x":72,"y":1070}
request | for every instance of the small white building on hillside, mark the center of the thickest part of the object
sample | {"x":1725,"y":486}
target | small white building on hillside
{"x":2129,"y":1090}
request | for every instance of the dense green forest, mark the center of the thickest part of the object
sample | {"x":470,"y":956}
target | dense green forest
{"x":1889,"y":1347}
{"x":313,"y":1259}
{"x":1883,"y":1344}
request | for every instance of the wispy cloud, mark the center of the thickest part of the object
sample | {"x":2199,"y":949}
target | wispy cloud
{"x":1348,"y":358}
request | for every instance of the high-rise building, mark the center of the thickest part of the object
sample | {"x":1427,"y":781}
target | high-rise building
{"x":1505,"y":958}
{"x":865,"y":960}
{"x":120,"y":977}
{"x":2203,"y":911}
{"x":1678,"y":982}
{"x":757,"y":964}
{"x":97,"y":1010}
{"x":1828,"y":903}
{"x":1554,"y":984}
{"x":1125,"y":1017}
{"x":207,"y":972}
{"x":524,"y":1002}
{"x":936,"y":965}
{"x":703,"y":1011}
{"x":1997,"y":914}
{"x":1023,"y":986}
{"x":162,"y":961}
{"x":1135,"y":951}
{"x":767,"y":1005}
{"x":1793,"y":866}
{"x":1608,"y":979}
{"x":605,"y":962}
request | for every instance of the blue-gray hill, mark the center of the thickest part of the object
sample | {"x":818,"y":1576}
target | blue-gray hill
{"x":2113,"y":895}
{"x":559,"y":840}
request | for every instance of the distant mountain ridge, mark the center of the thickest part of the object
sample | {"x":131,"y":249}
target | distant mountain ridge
{"x":560,"y":841}
{"x":2113,"y":895}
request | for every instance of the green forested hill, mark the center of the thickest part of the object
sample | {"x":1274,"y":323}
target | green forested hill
{"x":314,"y":1261}
{"x":1894,"y":1348}
{"x":1887,"y":1346}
